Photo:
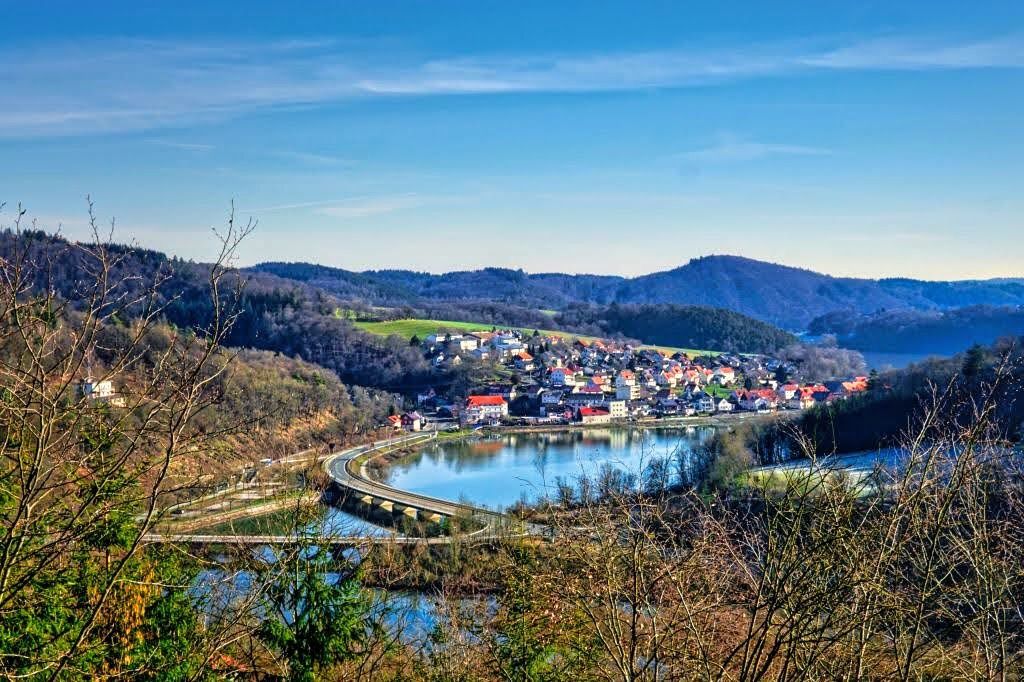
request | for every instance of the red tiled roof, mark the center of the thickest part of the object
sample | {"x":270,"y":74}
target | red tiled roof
{"x":483,"y":400}
{"x":593,"y":412}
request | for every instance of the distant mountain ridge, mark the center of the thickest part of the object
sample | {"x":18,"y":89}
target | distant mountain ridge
{"x":938,"y":332}
{"x":783,"y":295}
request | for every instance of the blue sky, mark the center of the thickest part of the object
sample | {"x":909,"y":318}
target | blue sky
{"x":858,"y":139}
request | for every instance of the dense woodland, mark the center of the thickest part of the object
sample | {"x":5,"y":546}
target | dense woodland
{"x":274,"y":314}
{"x":942,"y":332}
{"x":698,"y":327}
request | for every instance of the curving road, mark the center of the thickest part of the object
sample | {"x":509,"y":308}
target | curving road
{"x":346,"y":470}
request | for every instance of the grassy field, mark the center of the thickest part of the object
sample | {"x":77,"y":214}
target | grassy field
{"x":422,"y":328}
{"x":716,"y":391}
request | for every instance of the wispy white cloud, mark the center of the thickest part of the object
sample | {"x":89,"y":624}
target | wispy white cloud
{"x":351,"y":207}
{"x":313,"y":159}
{"x":184,"y":146}
{"x":919,"y":54}
{"x":140,"y":85}
{"x":730,"y":148}
{"x":293,"y":206}
{"x":370,"y":206}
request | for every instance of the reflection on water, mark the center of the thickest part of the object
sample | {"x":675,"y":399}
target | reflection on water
{"x":881,"y":360}
{"x":406,"y":615}
{"x":340,"y":523}
{"x":499,"y":471}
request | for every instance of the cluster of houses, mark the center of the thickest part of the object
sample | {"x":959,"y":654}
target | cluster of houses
{"x":498,"y":346}
{"x":560,"y":380}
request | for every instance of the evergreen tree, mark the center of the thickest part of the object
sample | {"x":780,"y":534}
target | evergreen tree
{"x":974,"y":361}
{"x":319,"y":613}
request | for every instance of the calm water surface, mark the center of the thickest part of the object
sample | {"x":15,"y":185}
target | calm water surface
{"x":882,"y":361}
{"x":501,"y":470}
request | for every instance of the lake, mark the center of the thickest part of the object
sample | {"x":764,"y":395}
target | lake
{"x":498,"y":471}
{"x":882,"y":360}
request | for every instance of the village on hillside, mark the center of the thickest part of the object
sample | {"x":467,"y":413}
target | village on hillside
{"x":560,"y":380}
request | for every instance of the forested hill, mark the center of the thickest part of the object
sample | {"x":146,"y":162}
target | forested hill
{"x":276,"y":314}
{"x":922,"y":331}
{"x":404,"y":287}
{"x":681,"y":326}
{"x":785,"y":296}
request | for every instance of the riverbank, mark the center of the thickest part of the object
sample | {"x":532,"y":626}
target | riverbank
{"x":652,"y":423}
{"x":378,"y":463}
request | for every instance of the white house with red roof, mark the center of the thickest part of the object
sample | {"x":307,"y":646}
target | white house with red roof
{"x":481,"y":409}
{"x":665,"y":378}
{"x":787,"y":391}
{"x":594,"y":415}
{"x":756,"y":400}
{"x":693,"y":375}
{"x":524,"y":362}
{"x":725,"y":375}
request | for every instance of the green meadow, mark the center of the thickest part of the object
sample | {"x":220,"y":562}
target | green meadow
{"x":422,"y":328}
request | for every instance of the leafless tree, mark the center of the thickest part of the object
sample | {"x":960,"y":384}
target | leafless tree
{"x":84,"y":473}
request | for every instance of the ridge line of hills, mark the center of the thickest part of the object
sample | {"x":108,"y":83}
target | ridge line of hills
{"x":783,"y":295}
{"x":303,"y":320}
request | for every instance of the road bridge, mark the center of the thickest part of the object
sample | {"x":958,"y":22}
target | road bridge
{"x":348,"y":470}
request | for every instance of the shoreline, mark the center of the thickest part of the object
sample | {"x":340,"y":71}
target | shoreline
{"x":664,"y":423}
{"x":386,"y":459}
